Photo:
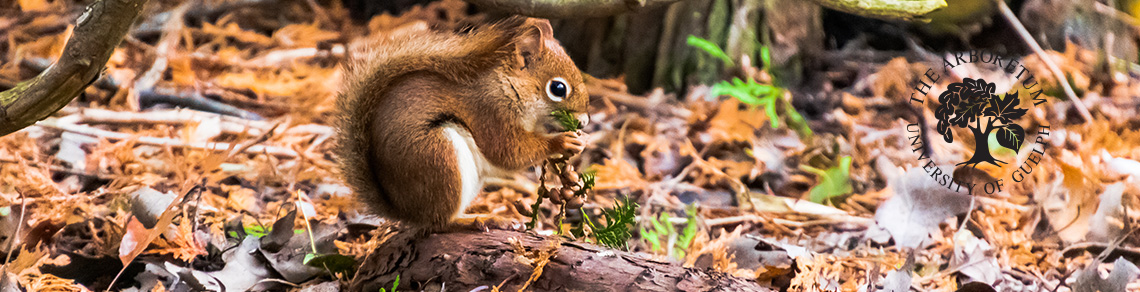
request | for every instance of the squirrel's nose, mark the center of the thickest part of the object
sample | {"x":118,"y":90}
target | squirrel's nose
{"x":584,"y":118}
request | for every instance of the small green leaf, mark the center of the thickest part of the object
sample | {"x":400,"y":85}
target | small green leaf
{"x":394,"y":285}
{"x":5,"y":211}
{"x":690,"y":231}
{"x":752,"y":93}
{"x":835,"y":181}
{"x":652,"y":237}
{"x":796,"y":120}
{"x":1010,"y":136}
{"x":615,"y":234}
{"x":772,"y":117}
{"x":766,"y":57}
{"x":737,"y":91}
{"x":335,"y":263}
{"x":537,"y":203}
{"x":256,"y":230}
{"x":710,"y":48}
{"x":567,"y":119}
{"x":588,"y":178}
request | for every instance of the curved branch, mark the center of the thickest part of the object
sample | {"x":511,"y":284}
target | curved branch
{"x":885,"y":9}
{"x":568,"y":8}
{"x":97,"y":32}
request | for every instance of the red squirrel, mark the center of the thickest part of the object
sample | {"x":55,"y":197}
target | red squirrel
{"x":425,"y":118}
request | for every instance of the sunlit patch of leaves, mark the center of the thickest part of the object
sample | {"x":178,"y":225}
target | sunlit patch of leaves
{"x":663,"y":237}
{"x":833,"y":182}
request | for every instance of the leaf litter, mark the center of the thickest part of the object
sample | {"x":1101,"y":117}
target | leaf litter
{"x":206,"y":196}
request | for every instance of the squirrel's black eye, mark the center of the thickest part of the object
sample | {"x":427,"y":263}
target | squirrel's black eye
{"x":557,"y":89}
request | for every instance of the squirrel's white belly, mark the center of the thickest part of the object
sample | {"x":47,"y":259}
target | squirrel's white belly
{"x":473,"y":167}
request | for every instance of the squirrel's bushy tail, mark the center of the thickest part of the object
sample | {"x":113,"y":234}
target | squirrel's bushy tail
{"x":368,"y":75}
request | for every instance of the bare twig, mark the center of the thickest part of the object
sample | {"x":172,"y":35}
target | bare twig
{"x":61,"y":169}
{"x":1028,"y":38}
{"x":229,"y":124}
{"x":826,"y":220}
{"x":19,"y":225}
{"x":1124,"y":17}
{"x":569,"y":8}
{"x":97,"y":32}
{"x":193,"y":99}
{"x":146,"y":81}
{"x":1003,"y":204}
{"x":1131,"y":253}
{"x":639,"y":103}
{"x":66,"y":125}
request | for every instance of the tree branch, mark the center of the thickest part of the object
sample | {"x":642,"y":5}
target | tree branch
{"x":1053,"y":68}
{"x":568,"y":8}
{"x":884,"y":9}
{"x":97,"y":32}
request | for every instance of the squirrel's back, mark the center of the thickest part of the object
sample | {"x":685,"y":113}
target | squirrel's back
{"x":453,"y":56}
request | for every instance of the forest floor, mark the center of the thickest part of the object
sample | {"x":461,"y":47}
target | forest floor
{"x":226,"y":117}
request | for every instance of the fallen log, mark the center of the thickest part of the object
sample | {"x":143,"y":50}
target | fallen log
{"x":516,"y":261}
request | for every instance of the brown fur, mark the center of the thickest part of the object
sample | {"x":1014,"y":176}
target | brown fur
{"x":490,"y":82}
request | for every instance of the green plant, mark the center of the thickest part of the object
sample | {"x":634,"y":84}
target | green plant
{"x":394,"y":285}
{"x":833,"y":182}
{"x":709,"y":48}
{"x":663,"y":238}
{"x":582,"y":185}
{"x":615,"y":233}
{"x":255,"y":230}
{"x":752,"y":93}
{"x":567,"y":120}
{"x":334,"y":263}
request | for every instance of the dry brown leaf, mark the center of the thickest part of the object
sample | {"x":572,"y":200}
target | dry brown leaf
{"x":617,"y":174}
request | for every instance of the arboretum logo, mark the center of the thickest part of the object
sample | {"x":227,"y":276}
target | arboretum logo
{"x":973,"y":106}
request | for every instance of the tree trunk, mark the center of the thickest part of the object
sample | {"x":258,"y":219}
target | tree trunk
{"x":981,"y":148}
{"x":650,"y":49}
{"x":465,"y":261}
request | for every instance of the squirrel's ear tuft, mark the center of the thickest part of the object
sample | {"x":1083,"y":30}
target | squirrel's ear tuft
{"x":531,"y":40}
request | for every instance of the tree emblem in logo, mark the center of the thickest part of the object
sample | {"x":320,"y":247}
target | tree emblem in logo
{"x":972,"y":104}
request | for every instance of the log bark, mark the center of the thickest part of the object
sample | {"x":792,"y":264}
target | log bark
{"x":466,"y":261}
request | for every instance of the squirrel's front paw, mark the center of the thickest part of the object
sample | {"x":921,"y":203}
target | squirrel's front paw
{"x":570,"y":143}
